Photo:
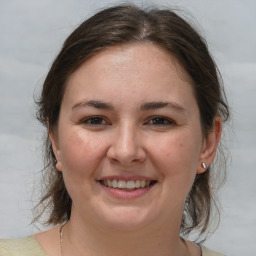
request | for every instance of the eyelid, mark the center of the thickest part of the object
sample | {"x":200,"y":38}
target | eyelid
{"x":104,"y":121}
{"x":85,"y":120}
{"x":169,"y":120}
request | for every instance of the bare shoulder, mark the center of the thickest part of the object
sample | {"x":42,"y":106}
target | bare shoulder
{"x":49,"y":241}
{"x":193,"y":248}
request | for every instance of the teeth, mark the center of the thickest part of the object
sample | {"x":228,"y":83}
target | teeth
{"x":114,"y":183}
{"x":122,"y":184}
{"x":109,"y":183}
{"x":130,"y":184}
{"x":137,"y":184}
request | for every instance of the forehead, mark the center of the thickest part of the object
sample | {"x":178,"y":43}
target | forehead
{"x":136,"y":55}
{"x":142,"y":69}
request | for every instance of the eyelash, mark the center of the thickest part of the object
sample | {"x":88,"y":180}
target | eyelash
{"x":89,"y":120}
{"x":162,"y":121}
{"x":155,"y":121}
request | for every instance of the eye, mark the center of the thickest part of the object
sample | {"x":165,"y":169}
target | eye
{"x":160,"y":121}
{"x":94,"y":120}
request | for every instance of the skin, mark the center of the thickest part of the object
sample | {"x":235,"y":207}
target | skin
{"x":129,"y":136}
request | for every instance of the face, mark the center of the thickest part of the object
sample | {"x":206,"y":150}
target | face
{"x":129,"y":140}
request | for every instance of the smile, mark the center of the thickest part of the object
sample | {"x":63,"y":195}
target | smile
{"x":127,"y":185}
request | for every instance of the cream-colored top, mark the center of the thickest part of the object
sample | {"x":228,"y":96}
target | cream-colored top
{"x":28,"y":246}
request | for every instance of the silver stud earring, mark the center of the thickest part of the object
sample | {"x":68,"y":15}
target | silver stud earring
{"x":204,"y":165}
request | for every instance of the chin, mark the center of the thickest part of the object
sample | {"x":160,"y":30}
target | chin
{"x":127,"y":218}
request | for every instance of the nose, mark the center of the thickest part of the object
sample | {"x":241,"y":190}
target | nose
{"x":126,"y":147}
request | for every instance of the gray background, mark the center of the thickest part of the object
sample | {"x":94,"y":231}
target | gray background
{"x":31,"y":33}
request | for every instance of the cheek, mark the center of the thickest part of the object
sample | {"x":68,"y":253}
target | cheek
{"x":177,"y":159}
{"x":182,"y":152}
{"x":81,"y":153}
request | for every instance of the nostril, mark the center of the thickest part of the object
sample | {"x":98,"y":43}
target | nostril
{"x":126,"y":156}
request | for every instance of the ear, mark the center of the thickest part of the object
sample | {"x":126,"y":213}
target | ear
{"x":55,"y":147}
{"x":210,"y":145}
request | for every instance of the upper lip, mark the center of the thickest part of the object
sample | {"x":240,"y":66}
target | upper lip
{"x":126,"y":178}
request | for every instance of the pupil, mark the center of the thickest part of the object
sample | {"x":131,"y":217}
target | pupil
{"x":96,"y":120}
{"x":158,"y":121}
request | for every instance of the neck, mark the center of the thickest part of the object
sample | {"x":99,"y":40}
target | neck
{"x":86,"y":239}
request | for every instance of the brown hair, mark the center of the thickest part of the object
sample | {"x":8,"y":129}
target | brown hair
{"x":123,"y":25}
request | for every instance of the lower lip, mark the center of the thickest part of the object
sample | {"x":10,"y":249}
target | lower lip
{"x":127,"y":194}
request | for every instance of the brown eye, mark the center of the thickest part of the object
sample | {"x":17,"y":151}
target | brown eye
{"x":94,"y":120}
{"x":160,"y":121}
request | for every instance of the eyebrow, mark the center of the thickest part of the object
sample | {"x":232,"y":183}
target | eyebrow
{"x":144,"y":107}
{"x":93,"y":103}
{"x":160,"y":104}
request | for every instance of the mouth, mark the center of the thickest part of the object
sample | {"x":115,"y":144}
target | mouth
{"x":129,"y":185}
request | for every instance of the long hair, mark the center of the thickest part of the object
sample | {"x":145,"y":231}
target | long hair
{"x":127,"y":24}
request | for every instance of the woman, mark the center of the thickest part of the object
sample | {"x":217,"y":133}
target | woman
{"x":134,"y":109}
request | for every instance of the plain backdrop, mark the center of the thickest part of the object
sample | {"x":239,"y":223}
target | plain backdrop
{"x":31,"y":34}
